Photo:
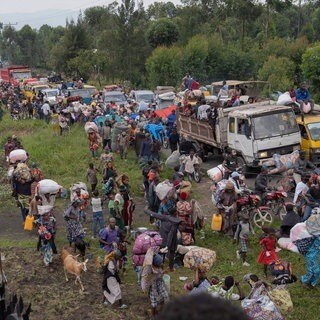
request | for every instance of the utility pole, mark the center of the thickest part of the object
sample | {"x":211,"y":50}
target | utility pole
{"x":9,"y":24}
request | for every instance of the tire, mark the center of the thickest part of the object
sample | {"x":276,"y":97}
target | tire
{"x":282,"y":212}
{"x":197,"y":176}
{"x":262,"y":217}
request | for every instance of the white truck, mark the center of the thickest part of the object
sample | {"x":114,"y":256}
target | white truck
{"x":255,"y":131}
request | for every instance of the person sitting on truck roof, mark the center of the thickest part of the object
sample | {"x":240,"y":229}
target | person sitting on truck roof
{"x":223,"y":92}
{"x":303,"y":96}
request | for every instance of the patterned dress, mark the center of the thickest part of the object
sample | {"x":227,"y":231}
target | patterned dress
{"x":312,"y":264}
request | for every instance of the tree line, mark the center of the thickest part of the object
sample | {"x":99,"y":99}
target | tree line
{"x":273,"y":40}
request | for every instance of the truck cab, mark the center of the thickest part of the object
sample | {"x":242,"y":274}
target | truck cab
{"x":309,"y":126}
{"x":255,"y":131}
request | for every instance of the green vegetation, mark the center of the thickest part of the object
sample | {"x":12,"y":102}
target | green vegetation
{"x":213,"y":40}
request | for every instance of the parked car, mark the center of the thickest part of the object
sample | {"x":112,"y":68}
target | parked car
{"x":78,"y":94}
{"x":117,"y":97}
{"x":143,"y":98}
{"x":51,"y":96}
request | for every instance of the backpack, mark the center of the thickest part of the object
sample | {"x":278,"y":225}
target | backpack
{"x":104,"y":233}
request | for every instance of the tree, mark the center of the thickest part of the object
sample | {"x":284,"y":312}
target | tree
{"x":164,"y":67}
{"x":195,"y":56}
{"x":162,"y":32}
{"x":9,"y":46}
{"x":159,"y":10}
{"x":74,"y":40}
{"x":311,"y":65}
{"x":279,"y":72}
{"x":130,"y":40}
{"x":26,"y":41}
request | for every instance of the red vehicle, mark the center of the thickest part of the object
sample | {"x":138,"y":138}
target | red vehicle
{"x":275,"y":200}
{"x":14,"y":74}
{"x":250,"y":203}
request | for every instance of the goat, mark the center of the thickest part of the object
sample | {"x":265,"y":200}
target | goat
{"x":71,"y":265}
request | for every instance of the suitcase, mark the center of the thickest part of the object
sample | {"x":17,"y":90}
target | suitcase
{"x":216,"y":222}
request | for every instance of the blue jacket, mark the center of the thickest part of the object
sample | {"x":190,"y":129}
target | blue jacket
{"x":302,"y":94}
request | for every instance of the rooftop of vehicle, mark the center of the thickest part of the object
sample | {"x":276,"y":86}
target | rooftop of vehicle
{"x":256,"y":108}
{"x":236,"y":82}
{"x":309,"y":118}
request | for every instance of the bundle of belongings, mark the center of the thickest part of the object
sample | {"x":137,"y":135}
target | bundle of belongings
{"x":22,"y":172}
{"x":200,"y":258}
{"x":282,"y":163}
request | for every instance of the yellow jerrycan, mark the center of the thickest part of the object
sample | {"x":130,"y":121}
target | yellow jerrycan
{"x":216,"y":222}
{"x":28,"y":224}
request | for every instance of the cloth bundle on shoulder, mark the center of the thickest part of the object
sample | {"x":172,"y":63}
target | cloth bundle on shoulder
{"x":146,"y":240}
{"x":173,"y":160}
{"x":90,"y":127}
{"x":22,"y":172}
{"x":163,"y":189}
{"x":17,"y":155}
{"x":216,"y":173}
{"x":200,"y":258}
{"x":47,"y":186}
{"x":313,"y":225}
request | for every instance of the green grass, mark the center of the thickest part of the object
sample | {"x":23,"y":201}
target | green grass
{"x":65,"y":160}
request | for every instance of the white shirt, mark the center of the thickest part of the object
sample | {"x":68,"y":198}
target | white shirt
{"x":96,"y":205}
{"x":189,"y":164}
{"x":46,"y":109}
{"x":221,"y":293}
{"x":300,"y":188}
{"x":202,"y":112}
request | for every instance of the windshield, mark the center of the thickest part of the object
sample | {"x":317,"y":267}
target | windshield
{"x":92,"y":90}
{"x":115,"y":98}
{"x":52,"y":93}
{"x":275,"y":124}
{"x":21,"y":75}
{"x":314,"y":129}
{"x":37,"y":89}
{"x":145,"y":97}
{"x":162,"y":104}
{"x":81,"y":93}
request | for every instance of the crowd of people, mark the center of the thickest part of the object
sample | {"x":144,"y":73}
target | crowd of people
{"x":169,"y":208}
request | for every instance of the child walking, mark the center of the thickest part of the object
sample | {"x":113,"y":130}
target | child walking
{"x":244,"y":229}
{"x":92,"y":176}
{"x":97,"y":213}
{"x":268,"y":253}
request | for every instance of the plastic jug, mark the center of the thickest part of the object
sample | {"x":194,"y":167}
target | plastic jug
{"x":166,"y":280}
{"x":28,"y":224}
{"x":216,"y":222}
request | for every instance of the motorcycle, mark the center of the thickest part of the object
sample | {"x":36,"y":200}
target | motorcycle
{"x":250,"y":203}
{"x":275,"y":200}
